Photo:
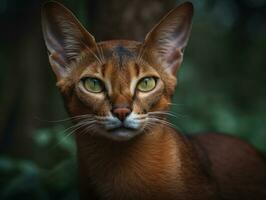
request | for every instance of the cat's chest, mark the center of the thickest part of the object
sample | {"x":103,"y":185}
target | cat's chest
{"x":135,"y":183}
{"x":151,"y":177}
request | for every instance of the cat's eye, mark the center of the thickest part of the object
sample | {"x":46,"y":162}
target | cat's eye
{"x":93,"y":85}
{"x":146,"y":84}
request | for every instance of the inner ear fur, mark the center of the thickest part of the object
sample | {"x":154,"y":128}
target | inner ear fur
{"x":167,"y":40}
{"x":64,"y":36}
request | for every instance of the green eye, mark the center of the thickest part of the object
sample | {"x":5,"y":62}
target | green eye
{"x":146,"y":84}
{"x":93,"y":85}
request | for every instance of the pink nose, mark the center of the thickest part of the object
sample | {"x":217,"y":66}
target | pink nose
{"x":121,"y":113}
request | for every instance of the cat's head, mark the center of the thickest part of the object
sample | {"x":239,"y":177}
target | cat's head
{"x":116,"y":89}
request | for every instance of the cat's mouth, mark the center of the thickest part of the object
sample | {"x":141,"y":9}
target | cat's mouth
{"x":123,"y":133}
{"x":123,"y":130}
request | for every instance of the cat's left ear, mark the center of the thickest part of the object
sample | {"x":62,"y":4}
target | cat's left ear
{"x":167,"y":40}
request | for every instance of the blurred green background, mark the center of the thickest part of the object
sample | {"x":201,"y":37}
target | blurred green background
{"x":221,"y":88}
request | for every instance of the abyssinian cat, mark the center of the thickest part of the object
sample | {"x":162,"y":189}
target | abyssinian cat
{"x":118,"y":93}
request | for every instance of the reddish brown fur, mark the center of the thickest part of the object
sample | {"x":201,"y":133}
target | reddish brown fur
{"x":157,"y":163}
{"x":165,"y":163}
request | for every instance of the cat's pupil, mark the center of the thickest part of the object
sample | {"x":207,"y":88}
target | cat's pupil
{"x":145,"y":81}
{"x":93,"y":85}
{"x":147,"y":84}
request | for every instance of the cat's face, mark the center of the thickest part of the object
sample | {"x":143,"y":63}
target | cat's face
{"x":120,"y":96}
{"x":115,"y":89}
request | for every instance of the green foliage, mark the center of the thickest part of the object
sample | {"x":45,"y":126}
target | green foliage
{"x":25,"y":179}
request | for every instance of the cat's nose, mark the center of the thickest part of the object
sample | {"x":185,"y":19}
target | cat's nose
{"x":121,"y":113}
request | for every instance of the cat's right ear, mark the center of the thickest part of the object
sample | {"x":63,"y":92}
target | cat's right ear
{"x":64,"y":37}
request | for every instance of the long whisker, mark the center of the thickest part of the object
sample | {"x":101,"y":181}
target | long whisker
{"x":172,"y":114}
{"x":162,"y":113}
{"x":141,"y":53}
{"x":95,"y":56}
{"x":65,"y":119}
{"x":88,"y":128}
{"x":74,"y":128}
{"x":175,"y":104}
{"x":71,"y":128}
{"x":101,"y":50}
{"x":153,"y":119}
{"x":85,"y":127}
{"x":164,"y":122}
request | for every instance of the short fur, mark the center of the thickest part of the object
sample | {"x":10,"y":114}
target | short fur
{"x":146,"y":159}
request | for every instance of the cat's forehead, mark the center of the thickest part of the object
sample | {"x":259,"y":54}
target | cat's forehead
{"x":120,"y":52}
{"x":121,"y":55}
{"x":117,"y":61}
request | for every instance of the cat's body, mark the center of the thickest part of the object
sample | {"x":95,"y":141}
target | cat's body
{"x":211,"y":167}
{"x":118,"y":93}
{"x":237,"y":168}
{"x":161,"y":165}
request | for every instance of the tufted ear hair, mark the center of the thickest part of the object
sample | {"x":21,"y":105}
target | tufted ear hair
{"x":64,"y":37}
{"x":167,"y":40}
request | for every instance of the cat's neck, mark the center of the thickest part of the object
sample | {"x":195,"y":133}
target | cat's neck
{"x":154,"y":161}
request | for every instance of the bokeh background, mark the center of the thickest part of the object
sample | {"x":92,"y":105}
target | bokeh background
{"x":222,"y":83}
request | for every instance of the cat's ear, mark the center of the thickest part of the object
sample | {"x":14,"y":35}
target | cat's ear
{"x":64,"y":37}
{"x":167,"y":40}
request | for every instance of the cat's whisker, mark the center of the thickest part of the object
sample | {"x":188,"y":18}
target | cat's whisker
{"x":94,"y":55}
{"x":175,"y":115}
{"x":101,"y":50}
{"x":84,"y":124}
{"x":153,"y":119}
{"x":101,"y":117}
{"x":139,"y":119}
{"x":88,"y":128}
{"x":168,"y":124}
{"x":65,"y":119}
{"x":98,"y":52}
{"x":140,"y":55}
{"x":141,"y":115}
{"x":163,"y":113}
{"x":79,"y":124}
{"x":73,"y":129}
{"x":70,"y":128}
{"x":175,"y":104}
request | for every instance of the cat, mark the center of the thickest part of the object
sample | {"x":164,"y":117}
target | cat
{"x":118,"y":94}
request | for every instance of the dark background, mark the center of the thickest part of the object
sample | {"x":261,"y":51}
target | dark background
{"x":221,"y":88}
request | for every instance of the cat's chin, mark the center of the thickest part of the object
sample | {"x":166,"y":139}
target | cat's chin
{"x":122,"y":134}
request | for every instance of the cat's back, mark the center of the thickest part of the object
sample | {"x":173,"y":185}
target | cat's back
{"x":239,"y":170}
